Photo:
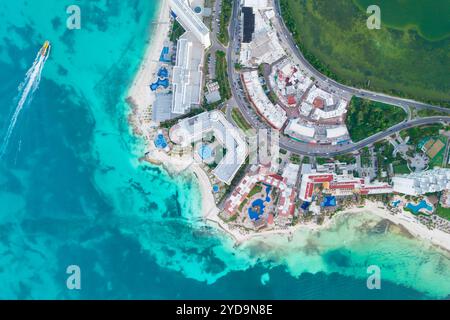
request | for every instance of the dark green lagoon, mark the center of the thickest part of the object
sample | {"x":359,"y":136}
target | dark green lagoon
{"x":408,"y":57}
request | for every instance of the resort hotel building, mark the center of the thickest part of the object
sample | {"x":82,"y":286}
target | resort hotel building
{"x":260,"y":41}
{"x":187,"y":73}
{"x":339,"y":185}
{"x":272,"y":113}
{"x":419,"y":183}
{"x":284,"y":207}
{"x":191,"y":130}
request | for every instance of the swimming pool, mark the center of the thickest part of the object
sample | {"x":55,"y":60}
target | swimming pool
{"x":395,"y":203}
{"x":415,"y":208}
{"x":163,"y":73}
{"x":164,"y":55}
{"x":161,"y":82}
{"x":160,"y":141}
{"x":328,"y":201}
{"x":257,"y":209}
{"x":205,"y":152}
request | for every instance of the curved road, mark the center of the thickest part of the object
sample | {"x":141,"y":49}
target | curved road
{"x":380,"y":97}
{"x":317,"y":149}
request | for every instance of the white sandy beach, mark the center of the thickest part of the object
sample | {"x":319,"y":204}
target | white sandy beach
{"x":139,"y":92}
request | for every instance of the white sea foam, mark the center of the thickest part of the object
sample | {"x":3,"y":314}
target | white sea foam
{"x":26,"y":91}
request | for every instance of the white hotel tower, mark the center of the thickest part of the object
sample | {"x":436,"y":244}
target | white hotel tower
{"x":422,"y":182}
{"x":191,"y":22}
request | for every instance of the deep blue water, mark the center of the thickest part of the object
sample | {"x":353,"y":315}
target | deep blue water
{"x":72,"y":190}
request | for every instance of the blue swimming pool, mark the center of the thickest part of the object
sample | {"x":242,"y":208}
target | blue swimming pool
{"x":421,"y":205}
{"x":205,"y":152}
{"x":328,"y":201}
{"x":164,"y":55}
{"x":160,"y":141}
{"x":395,"y":203}
{"x":257,"y":209}
{"x":160,"y":83}
{"x":163,"y":73}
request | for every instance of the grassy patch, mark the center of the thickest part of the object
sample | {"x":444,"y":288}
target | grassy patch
{"x":239,"y":120}
{"x":225,"y":15}
{"x":443,"y":212}
{"x":431,"y":113}
{"x":256,"y":189}
{"x":242,"y":205}
{"x":333,"y":36}
{"x":366,"y":118}
{"x":400,"y":167}
{"x":176,"y":32}
{"x":222,"y":75}
{"x":295,"y":159}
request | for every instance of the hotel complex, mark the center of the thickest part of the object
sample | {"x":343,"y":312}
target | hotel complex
{"x":187,"y":74}
{"x":194,"y":129}
{"x":305,"y":181}
{"x":422,"y":182}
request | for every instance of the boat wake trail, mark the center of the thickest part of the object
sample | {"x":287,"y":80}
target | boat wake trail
{"x":26,"y":92}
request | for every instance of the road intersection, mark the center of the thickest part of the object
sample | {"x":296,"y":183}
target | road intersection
{"x":319,"y":150}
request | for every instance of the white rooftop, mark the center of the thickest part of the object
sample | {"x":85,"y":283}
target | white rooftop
{"x":273,"y":113}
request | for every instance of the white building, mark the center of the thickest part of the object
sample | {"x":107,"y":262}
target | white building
{"x":265,"y":46}
{"x":190,"y":21}
{"x":194,"y":129}
{"x":187,"y":74}
{"x":298,"y":130}
{"x":257,"y":4}
{"x":422,"y":182}
{"x":273,"y":113}
{"x":336,"y":132}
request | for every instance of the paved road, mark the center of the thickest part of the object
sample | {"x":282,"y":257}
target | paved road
{"x":316,"y":149}
{"x":401,"y":102}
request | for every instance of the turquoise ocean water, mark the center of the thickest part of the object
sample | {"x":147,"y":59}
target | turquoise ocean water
{"x":72,"y":191}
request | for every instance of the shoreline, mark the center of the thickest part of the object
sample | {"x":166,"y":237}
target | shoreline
{"x":140,"y":98}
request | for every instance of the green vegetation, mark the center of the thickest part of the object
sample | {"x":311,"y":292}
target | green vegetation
{"x":225,"y":16}
{"x":385,"y":158}
{"x":322,"y":160}
{"x":443,"y":212}
{"x":176,"y":32}
{"x":295,"y":159}
{"x":365,"y":157}
{"x":365,"y":118}
{"x":346,"y":158}
{"x":239,"y":120}
{"x":407,"y":57}
{"x":222,"y":75}
{"x":431,"y":22}
{"x":430,"y":113}
{"x":400,"y":167}
{"x":242,"y":205}
{"x":256,"y":189}
{"x":416,"y":134}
